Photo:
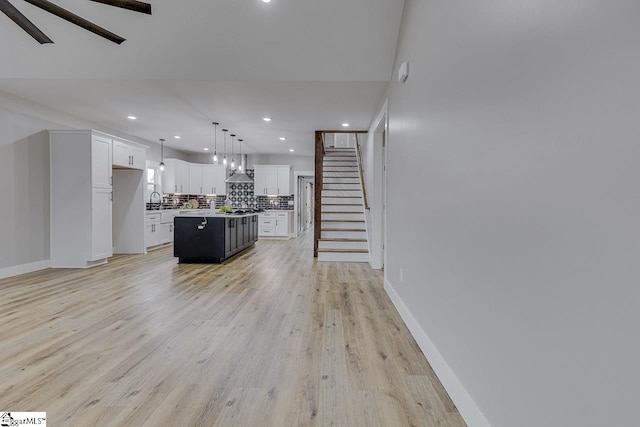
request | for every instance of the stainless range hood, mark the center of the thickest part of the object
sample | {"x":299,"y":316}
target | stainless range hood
{"x":240,"y":177}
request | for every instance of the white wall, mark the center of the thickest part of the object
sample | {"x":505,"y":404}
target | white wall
{"x":24,"y":186}
{"x":298,"y":163}
{"x":514,"y":142}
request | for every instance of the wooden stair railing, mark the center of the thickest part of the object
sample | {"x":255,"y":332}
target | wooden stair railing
{"x":317,"y":203}
{"x":361,"y":169}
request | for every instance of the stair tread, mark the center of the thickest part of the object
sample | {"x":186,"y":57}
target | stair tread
{"x":343,"y":229}
{"x":344,"y":197}
{"x":356,"y":251}
{"x":341,"y":204}
{"x":342,"y":220}
{"x":343,"y":212}
{"x":344,"y":240}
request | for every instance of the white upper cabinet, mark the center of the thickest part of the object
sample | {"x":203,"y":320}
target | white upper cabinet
{"x":284,"y":181}
{"x":101,"y":174}
{"x":175,"y":178}
{"x":127,"y":155}
{"x":214,"y":177}
{"x":196,"y":178}
{"x":193,"y":178}
{"x":272,"y":180}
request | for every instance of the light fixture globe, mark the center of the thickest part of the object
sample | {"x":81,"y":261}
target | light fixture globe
{"x":215,"y":142}
{"x":161,"y":155}
{"x":224,"y":156}
{"x":233,"y":160}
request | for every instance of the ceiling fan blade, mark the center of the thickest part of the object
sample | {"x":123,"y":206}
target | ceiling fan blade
{"x":75,"y":19}
{"x":134,"y":5}
{"x":22,"y":21}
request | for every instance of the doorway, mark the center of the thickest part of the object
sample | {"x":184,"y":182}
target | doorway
{"x":305,"y":198}
{"x":308,"y":208}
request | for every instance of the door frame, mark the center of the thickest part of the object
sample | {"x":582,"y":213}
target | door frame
{"x":380,"y":169}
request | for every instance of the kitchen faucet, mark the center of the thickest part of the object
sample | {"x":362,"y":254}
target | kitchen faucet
{"x":158,"y":203}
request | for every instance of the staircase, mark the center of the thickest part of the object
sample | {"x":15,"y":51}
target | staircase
{"x":343,"y":234}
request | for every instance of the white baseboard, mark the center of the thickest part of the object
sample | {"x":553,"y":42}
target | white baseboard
{"x":24,"y":268}
{"x":465,"y":404}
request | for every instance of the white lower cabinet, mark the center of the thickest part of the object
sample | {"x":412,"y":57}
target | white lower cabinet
{"x":166,"y":233}
{"x":166,"y":227}
{"x":266,"y":224}
{"x":101,"y":224}
{"x":152,"y":230}
{"x":159,"y":228}
{"x":282,"y":224}
{"x":275,"y":224}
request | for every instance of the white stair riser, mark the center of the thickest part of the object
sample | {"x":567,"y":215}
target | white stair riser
{"x":339,"y":200}
{"x":342,"y":257}
{"x":342,"y":169}
{"x":342,"y":245}
{"x":343,"y":234}
{"x":340,"y":164}
{"x":351,"y":175}
{"x":329,"y":193}
{"x":341,"y":208}
{"x":335,"y":180}
{"x":343,"y":225}
{"x":336,"y":186}
{"x":358,"y":216}
{"x":335,"y":159}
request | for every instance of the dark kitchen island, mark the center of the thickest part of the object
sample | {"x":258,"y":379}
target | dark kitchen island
{"x":213,"y":239}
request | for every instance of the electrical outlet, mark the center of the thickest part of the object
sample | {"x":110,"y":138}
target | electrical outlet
{"x":401,"y":275}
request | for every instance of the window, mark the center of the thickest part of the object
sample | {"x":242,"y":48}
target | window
{"x":153,"y":182}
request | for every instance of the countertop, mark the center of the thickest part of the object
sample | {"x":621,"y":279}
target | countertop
{"x":152,"y":211}
{"x":208,"y":214}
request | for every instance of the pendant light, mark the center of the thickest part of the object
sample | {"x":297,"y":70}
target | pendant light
{"x":224,"y":158}
{"x":215,"y":143}
{"x":233,"y":160}
{"x":161,"y":155}
{"x":240,"y":151}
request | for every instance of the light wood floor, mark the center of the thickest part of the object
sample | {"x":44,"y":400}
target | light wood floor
{"x":271,"y":338}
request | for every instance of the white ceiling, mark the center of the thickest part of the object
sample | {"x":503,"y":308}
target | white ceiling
{"x":307,"y":64}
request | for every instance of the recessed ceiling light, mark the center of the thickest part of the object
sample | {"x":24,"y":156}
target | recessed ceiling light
{"x":292,"y":150}
{"x":131,"y":117}
{"x":206,"y":149}
{"x":282,"y":138}
{"x":266,"y":119}
{"x":266,"y":1}
{"x":177,"y":137}
{"x":345,"y":125}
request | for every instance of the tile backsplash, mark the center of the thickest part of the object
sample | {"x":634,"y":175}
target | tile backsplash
{"x":238,"y":194}
{"x":242,"y":194}
{"x":177,"y":201}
